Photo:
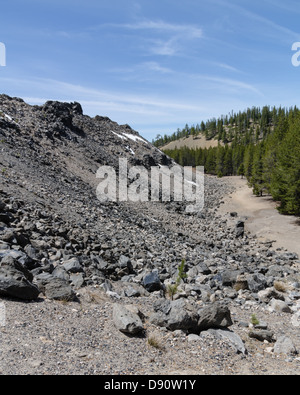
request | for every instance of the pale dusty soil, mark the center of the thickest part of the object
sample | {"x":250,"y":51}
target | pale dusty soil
{"x":190,"y":142}
{"x":55,"y":338}
{"x":261,"y":216}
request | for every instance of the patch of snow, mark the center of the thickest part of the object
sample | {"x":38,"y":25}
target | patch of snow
{"x":120,"y":136}
{"x":8,"y":117}
{"x":127,"y":136}
{"x":134,"y":138}
{"x":130,"y":150}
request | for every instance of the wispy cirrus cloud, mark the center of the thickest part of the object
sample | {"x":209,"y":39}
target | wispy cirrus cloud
{"x":49,"y":89}
{"x":189,"y":31}
{"x":228,"y":83}
{"x":167,"y":39}
{"x":227,"y":67}
{"x":165,"y":47}
{"x":160,"y":37}
{"x":275,"y":29}
{"x":290,"y":6}
{"x":142,"y":68}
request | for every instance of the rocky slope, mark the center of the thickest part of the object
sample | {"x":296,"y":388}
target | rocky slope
{"x":86,"y":286}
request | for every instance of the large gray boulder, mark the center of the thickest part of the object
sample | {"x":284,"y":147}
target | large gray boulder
{"x":173,"y":315}
{"x":72,"y":265}
{"x":256,"y":282}
{"x":152,"y":282}
{"x":182,"y":316}
{"x":127,"y":321}
{"x":17,"y":256}
{"x":284,"y":345}
{"x":229,"y":277}
{"x":233,"y":338}
{"x":13,"y":283}
{"x":59,"y":289}
{"x":216,"y":315}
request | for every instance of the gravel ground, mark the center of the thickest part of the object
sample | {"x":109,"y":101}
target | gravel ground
{"x":46,"y":337}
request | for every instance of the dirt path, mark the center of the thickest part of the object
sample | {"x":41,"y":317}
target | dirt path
{"x":262,"y":218}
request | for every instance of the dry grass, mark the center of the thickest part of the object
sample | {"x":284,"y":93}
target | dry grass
{"x":153,"y":342}
{"x":280,"y":286}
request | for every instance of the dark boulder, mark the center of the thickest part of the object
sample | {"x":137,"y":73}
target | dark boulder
{"x":15,"y":284}
{"x":216,"y":315}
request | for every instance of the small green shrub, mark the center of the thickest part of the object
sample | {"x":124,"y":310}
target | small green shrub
{"x":172,"y":289}
{"x":254,"y":320}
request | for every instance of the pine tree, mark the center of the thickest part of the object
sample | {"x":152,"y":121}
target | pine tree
{"x":257,"y":179}
{"x":285,"y":183}
{"x":210,"y":163}
{"x":220,"y":159}
{"x":265,"y":148}
{"x":228,"y":167}
{"x":241,"y":170}
{"x":248,"y":161}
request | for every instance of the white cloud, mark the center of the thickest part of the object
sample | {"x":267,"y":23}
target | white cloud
{"x":145,"y":67}
{"x":143,"y":108}
{"x":278,"y":31}
{"x":236,"y":84}
{"x":227,"y":67}
{"x":155,"y":66}
{"x":122,"y":101}
{"x":166,"y":39}
{"x":190,"y":31}
{"x":165,"y":48}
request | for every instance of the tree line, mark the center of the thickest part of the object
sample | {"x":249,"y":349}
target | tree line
{"x":266,"y":150}
{"x":258,"y":120}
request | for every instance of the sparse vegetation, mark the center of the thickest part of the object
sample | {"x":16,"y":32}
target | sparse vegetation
{"x":254,"y":320}
{"x":172,"y":289}
{"x":153,"y":342}
{"x":280,"y":286}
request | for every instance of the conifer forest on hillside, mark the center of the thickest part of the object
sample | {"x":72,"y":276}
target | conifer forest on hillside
{"x":261,"y":144}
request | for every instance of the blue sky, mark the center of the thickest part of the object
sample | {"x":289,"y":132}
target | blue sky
{"x":155,"y":65}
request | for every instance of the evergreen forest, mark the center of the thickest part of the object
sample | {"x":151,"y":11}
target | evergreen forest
{"x":261,"y":144}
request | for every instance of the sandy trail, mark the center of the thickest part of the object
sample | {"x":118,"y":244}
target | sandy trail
{"x":262,"y":218}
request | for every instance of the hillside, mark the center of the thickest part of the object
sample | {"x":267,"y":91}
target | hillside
{"x":192,"y":142}
{"x":262,"y":145}
{"x":122,"y":288}
{"x":252,"y":123}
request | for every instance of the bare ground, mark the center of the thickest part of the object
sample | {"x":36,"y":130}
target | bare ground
{"x":46,"y":338}
{"x":191,"y":142}
{"x":262,"y":217}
